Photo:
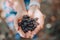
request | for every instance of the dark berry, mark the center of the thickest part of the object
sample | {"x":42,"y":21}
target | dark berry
{"x":28,"y":23}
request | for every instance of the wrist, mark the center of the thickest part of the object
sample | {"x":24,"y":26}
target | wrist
{"x":35,"y":4}
{"x":34,"y":7}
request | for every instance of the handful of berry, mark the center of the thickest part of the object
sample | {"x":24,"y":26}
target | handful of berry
{"x":28,"y":23}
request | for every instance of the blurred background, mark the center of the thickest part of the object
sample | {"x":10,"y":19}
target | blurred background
{"x":51,"y":30}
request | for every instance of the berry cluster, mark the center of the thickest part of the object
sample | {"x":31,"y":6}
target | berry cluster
{"x":28,"y":23}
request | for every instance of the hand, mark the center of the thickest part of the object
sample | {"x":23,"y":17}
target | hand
{"x":28,"y":34}
{"x":36,"y":13}
{"x":18,"y":29}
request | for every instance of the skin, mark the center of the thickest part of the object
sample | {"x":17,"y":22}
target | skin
{"x":33,"y":10}
{"x":36,"y":14}
{"x":20,"y":8}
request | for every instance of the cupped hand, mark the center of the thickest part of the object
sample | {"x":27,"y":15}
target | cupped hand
{"x":18,"y":17}
{"x":35,"y":12}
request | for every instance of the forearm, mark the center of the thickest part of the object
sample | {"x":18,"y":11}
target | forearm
{"x":22,"y":4}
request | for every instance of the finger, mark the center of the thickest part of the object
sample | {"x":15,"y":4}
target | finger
{"x":32,"y":36}
{"x":16,"y":24}
{"x":28,"y":34}
{"x":16,"y":20}
{"x":21,"y":34}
